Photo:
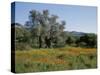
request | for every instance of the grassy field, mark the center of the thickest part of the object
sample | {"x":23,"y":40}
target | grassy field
{"x":67,"y":58}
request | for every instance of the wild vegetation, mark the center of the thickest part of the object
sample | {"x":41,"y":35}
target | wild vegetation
{"x":55,"y":59}
{"x":42,"y":44}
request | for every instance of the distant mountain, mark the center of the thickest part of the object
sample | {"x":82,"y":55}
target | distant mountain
{"x":75,"y":33}
{"x":16,"y":25}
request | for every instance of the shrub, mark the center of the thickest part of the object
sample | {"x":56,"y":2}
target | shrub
{"x":22,"y":46}
{"x":82,"y":44}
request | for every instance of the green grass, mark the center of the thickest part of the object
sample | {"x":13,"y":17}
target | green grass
{"x":67,"y":58}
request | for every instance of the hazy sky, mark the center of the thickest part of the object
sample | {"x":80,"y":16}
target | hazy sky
{"x":78,"y":18}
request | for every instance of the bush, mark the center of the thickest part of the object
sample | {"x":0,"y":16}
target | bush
{"x":22,"y":46}
{"x":82,"y":44}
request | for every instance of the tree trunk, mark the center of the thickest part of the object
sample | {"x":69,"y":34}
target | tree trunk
{"x":40,"y":42}
{"x":47,"y":42}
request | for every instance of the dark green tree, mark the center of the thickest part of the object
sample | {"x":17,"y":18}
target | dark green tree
{"x":70,"y":40}
{"x":88,"y":40}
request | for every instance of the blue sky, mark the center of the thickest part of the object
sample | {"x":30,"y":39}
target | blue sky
{"x":78,"y":18}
